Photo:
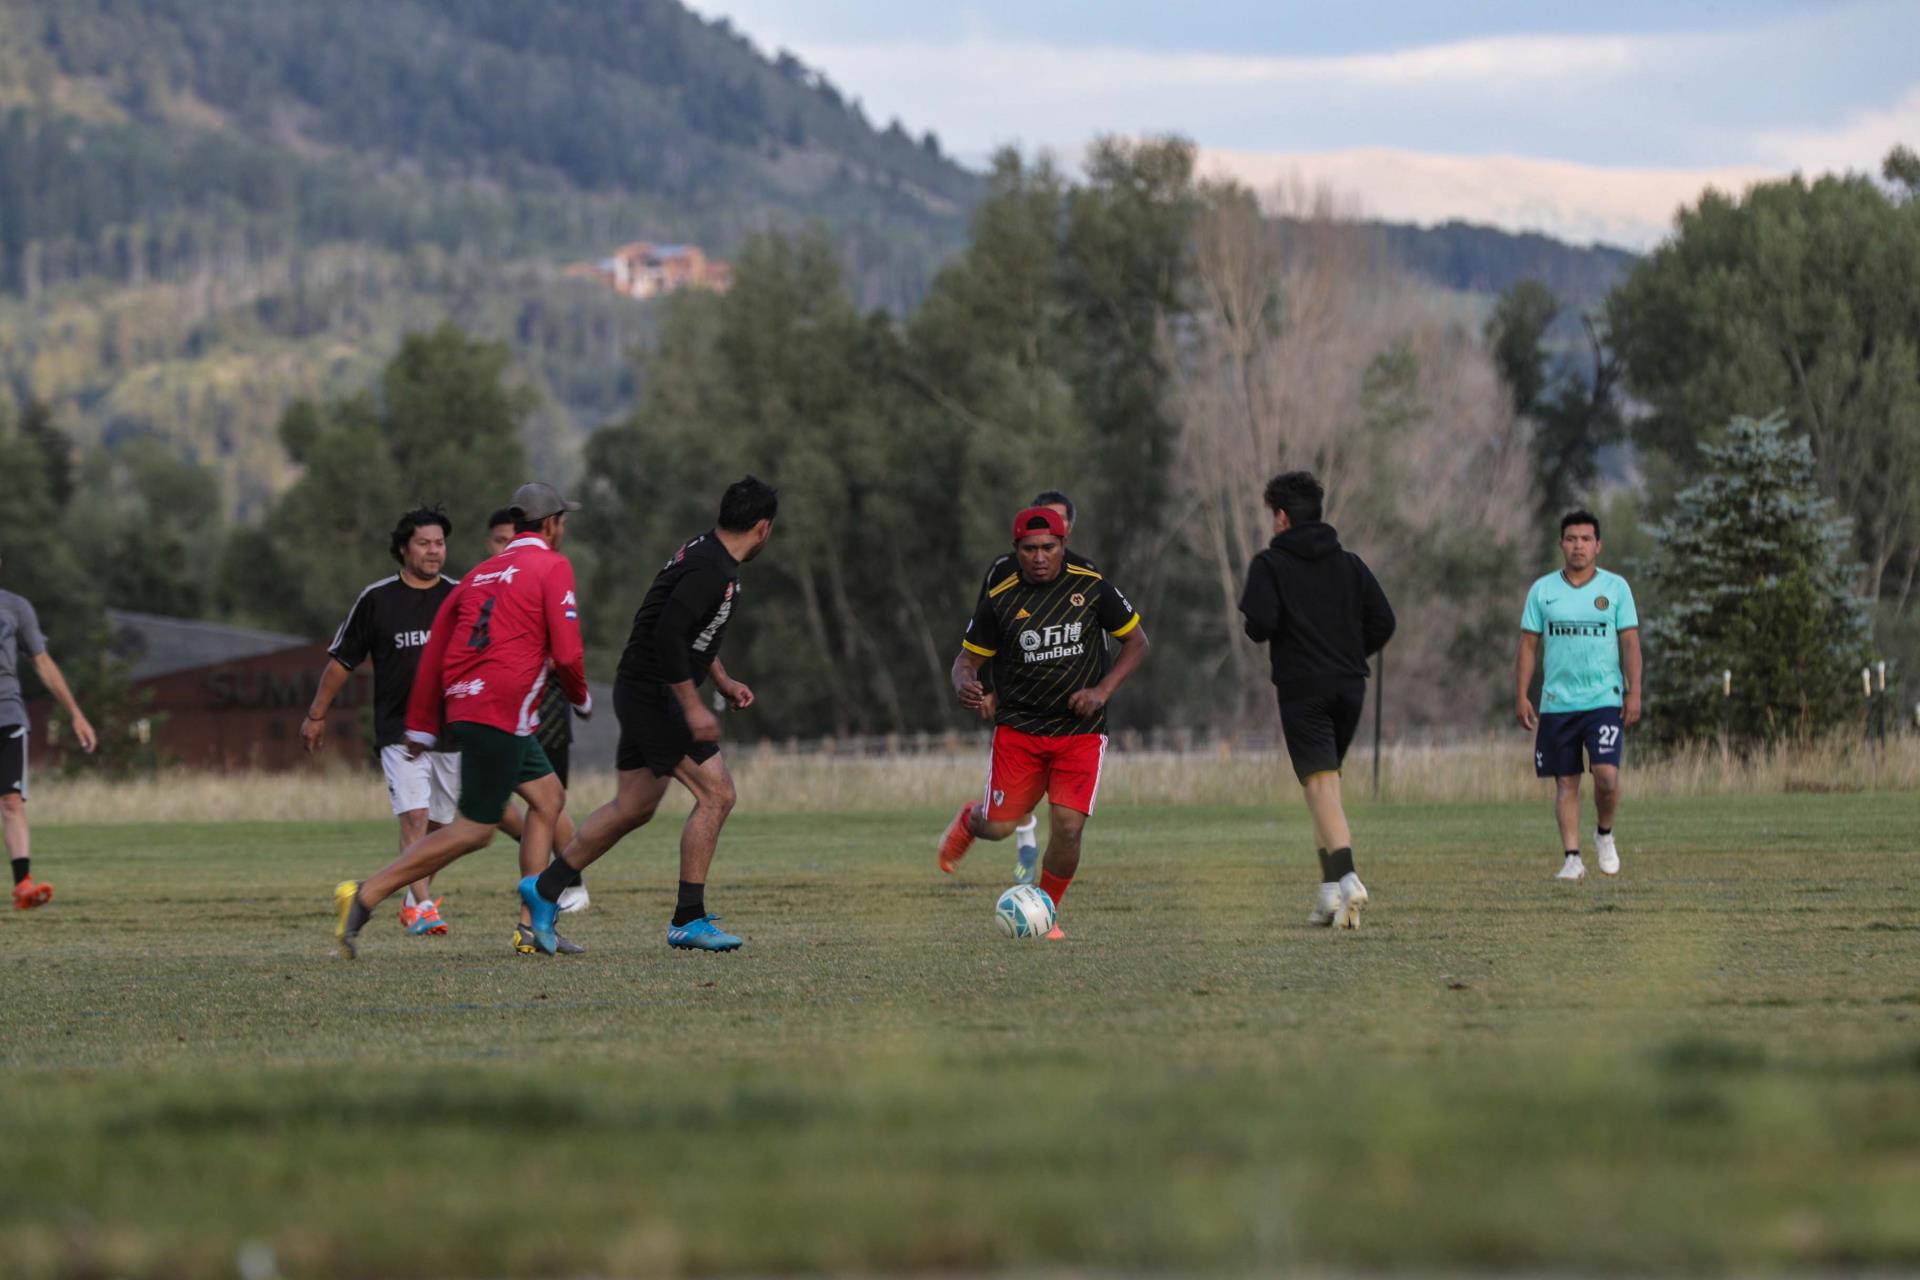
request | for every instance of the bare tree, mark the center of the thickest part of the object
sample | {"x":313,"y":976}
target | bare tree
{"x":1307,"y":349}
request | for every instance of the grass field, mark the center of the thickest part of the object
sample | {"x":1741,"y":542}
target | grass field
{"x":1710,"y":1064}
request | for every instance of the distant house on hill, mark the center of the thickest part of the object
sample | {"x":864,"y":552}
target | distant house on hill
{"x":646,"y":270}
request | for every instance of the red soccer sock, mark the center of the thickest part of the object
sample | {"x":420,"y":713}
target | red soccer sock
{"x":1054,"y":886}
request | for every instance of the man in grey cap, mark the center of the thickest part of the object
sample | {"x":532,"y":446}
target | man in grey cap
{"x":20,"y":629}
{"x":512,"y":624}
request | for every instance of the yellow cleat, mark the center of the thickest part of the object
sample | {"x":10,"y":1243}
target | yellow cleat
{"x":349,"y":915}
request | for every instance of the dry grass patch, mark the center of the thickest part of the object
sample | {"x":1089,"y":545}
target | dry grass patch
{"x":782,"y":779}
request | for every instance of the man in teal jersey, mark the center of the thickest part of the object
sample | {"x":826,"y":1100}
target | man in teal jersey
{"x":1590,"y":695}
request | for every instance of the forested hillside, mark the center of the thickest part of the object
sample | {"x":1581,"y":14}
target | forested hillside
{"x":210,"y":207}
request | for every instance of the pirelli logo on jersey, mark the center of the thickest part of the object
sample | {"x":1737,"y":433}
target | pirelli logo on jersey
{"x":1578,"y":630}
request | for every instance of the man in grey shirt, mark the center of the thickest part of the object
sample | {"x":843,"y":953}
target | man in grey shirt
{"x":20,"y":633}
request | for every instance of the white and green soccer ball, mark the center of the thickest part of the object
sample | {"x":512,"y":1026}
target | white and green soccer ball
{"x":1024,"y":911}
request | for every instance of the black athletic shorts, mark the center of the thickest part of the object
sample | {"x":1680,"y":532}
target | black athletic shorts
{"x":1567,"y":740}
{"x":560,"y":756}
{"x":653,"y":730}
{"x":1319,"y":727}
{"x":13,"y":760}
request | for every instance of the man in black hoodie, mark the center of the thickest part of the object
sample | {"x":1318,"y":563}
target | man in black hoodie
{"x":1323,"y":614}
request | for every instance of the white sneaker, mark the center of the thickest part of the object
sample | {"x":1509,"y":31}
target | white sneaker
{"x":1353,"y":896}
{"x":1327,"y":905}
{"x":1572,"y":869}
{"x":574,"y":898}
{"x":1609,"y":856}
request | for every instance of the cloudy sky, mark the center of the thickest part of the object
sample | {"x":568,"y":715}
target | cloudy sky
{"x":1589,"y":121}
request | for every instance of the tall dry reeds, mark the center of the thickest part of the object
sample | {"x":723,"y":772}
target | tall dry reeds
{"x":1495,"y":768}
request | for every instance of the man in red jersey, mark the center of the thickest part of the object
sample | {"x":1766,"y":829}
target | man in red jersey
{"x":477,"y":691}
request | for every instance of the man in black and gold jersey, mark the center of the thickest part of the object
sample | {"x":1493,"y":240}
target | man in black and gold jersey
{"x":1026,"y":836}
{"x":1041,"y":627}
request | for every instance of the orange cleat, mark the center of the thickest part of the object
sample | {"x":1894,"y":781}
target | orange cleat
{"x":28,"y":894}
{"x":1055,"y":934}
{"x":423,"y":920}
{"x":959,"y":839}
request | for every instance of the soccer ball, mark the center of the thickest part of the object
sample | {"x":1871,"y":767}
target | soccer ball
{"x":1024,"y":912}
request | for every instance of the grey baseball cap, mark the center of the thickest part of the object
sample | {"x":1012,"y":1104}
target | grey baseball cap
{"x":536,"y":500}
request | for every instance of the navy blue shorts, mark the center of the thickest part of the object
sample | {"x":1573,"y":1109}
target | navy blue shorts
{"x":1565,"y":734}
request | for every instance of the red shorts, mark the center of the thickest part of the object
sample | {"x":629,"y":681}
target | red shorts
{"x":1027,"y":766}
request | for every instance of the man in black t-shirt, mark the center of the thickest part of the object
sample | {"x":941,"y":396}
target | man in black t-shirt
{"x":1042,"y":629}
{"x":390,"y":623}
{"x":666,"y":732}
{"x":1026,"y":836}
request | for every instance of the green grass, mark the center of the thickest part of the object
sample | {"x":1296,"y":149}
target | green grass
{"x":1710,"y":1064}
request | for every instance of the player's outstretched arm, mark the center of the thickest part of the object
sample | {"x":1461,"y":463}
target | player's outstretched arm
{"x":1523,"y":666}
{"x":49,"y":673}
{"x":333,"y":678}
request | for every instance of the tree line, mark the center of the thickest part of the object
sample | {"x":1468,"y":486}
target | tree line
{"x":1156,"y":345}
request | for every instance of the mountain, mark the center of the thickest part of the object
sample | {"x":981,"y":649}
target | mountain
{"x":211,"y":207}
{"x":208,"y":207}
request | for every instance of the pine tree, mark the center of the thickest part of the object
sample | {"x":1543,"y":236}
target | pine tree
{"x":1754,"y":574}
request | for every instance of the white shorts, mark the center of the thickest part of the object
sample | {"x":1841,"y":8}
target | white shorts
{"x":429,"y":781}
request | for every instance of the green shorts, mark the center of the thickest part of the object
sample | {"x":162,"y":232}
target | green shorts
{"x":492,"y":763}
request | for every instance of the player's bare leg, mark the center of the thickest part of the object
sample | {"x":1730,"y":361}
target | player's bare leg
{"x":692,"y":928}
{"x":1062,"y":858}
{"x":1330,"y":828}
{"x":1341,"y":894}
{"x":636,"y":798}
{"x":513,"y":824}
{"x":1606,"y":802}
{"x":968,"y":825}
{"x":436,"y":849}
{"x":713,"y":799}
{"x":1566,"y":813}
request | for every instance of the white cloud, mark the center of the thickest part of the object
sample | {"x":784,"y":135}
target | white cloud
{"x":982,"y":60}
{"x":1582,"y":203}
{"x":1861,"y":143}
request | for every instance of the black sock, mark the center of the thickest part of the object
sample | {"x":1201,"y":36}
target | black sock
{"x":1573,"y":853}
{"x":1339,"y":863}
{"x":20,"y":866}
{"x":1325,"y":874}
{"x":555,"y":880}
{"x":1605,"y":831}
{"x":692,"y":904}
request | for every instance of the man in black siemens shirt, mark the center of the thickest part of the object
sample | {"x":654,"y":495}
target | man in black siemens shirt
{"x":1026,"y":837}
{"x":666,"y":732}
{"x":390,"y":623}
{"x":1042,"y":629}
{"x":1322,"y":612}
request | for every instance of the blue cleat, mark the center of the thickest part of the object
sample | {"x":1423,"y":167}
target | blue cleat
{"x":543,"y":915}
{"x":701,"y":935}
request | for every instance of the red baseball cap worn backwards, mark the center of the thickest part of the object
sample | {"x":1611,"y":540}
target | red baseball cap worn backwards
{"x":1039,"y":520}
